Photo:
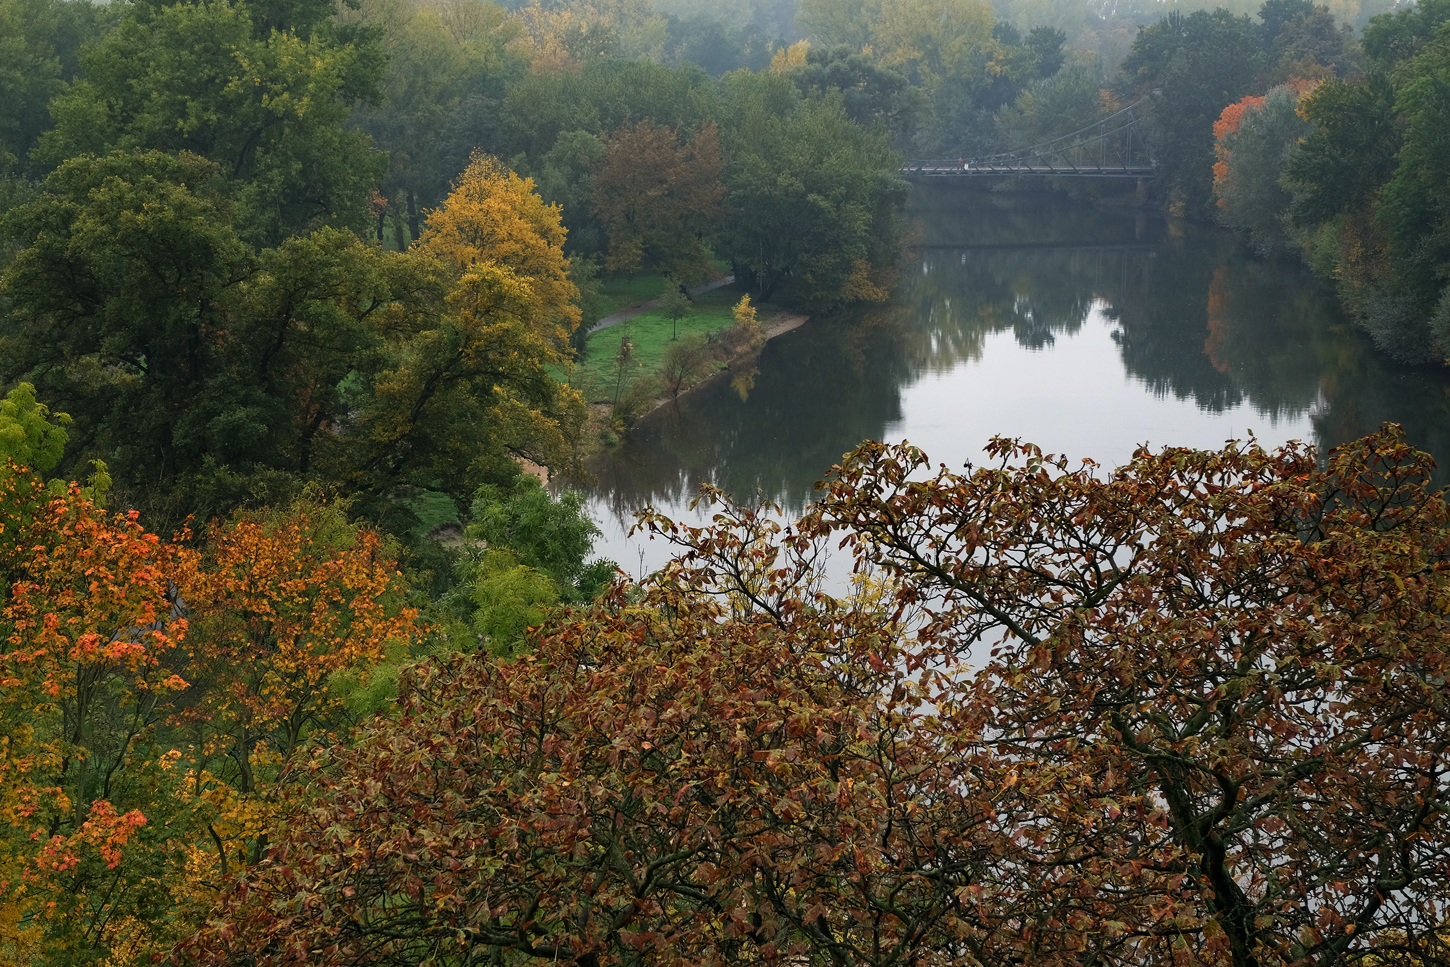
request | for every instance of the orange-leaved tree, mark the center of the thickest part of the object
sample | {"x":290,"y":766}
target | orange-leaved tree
{"x":1192,"y":711}
{"x":281,"y":605}
{"x":691,"y":779}
{"x":93,"y":840}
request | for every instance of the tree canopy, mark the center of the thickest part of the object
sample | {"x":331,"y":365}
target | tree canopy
{"x":1191,"y":707}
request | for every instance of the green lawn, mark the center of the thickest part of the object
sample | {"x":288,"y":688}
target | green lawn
{"x":650,"y":334}
{"x":432,"y":509}
{"x":623,"y":292}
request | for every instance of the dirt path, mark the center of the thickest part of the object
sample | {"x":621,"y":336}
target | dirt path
{"x":641,"y":308}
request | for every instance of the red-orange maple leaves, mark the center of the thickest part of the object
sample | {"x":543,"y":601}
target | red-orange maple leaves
{"x":125,"y":657}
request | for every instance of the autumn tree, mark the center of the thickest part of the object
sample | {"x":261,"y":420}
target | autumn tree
{"x":95,"y":844}
{"x":1215,"y":679}
{"x":152,"y":695}
{"x":658,"y":199}
{"x":278,"y":603}
{"x":1257,"y":138}
{"x":711,"y":775}
{"x":1189,"y":709}
{"x":494,"y":218}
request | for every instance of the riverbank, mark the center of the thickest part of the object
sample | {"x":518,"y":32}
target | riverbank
{"x":645,"y":361}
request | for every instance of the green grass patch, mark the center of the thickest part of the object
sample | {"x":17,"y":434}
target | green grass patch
{"x":621,"y":292}
{"x":650,"y":334}
{"x":432,"y":509}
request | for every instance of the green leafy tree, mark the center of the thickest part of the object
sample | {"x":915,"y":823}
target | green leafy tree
{"x":870,"y":94}
{"x":1349,"y":152}
{"x":120,"y":316}
{"x":40,"y":42}
{"x":29,"y":436}
{"x":603,"y":96}
{"x":675,"y":303}
{"x":1254,"y":158}
{"x":813,"y":199}
{"x":552,"y":536}
{"x":1192,"y":67}
{"x":263,"y":92}
{"x":445,"y":63}
{"x":1416,"y":200}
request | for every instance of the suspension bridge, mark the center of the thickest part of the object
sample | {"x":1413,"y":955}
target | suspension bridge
{"x":1111,"y":147}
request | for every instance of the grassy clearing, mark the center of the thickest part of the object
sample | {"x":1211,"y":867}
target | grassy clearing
{"x":624,"y":291}
{"x":432,"y":508}
{"x":650,"y":334}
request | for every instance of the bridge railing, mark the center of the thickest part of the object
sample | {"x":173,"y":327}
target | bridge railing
{"x":1109,"y":147}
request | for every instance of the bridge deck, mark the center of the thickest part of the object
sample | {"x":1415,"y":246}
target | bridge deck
{"x":944,"y":169}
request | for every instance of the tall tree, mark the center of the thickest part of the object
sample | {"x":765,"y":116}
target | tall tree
{"x":263,"y":91}
{"x":493,"y":217}
{"x":447,"y":63}
{"x":203,"y":371}
{"x":1192,"y":67}
{"x":210,"y":375}
{"x":658,"y":199}
{"x":813,"y":198}
{"x":1255,"y":149}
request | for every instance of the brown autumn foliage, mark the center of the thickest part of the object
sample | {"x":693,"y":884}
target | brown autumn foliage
{"x":1188,"y":712}
{"x":658,"y":198}
{"x":1218,"y":676}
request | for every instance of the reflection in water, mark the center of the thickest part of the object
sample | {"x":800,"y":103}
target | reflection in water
{"x":1002,"y":325}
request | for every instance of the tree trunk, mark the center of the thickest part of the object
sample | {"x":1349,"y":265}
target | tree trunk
{"x":413,"y":215}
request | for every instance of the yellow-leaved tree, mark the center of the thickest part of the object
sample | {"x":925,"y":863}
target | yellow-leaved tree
{"x":938,"y":39}
{"x":472,"y":384}
{"x":494,"y":218}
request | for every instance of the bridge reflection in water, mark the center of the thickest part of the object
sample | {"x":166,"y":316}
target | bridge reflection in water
{"x":1111,"y":147}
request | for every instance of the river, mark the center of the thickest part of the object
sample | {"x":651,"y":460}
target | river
{"x":1088,"y":330}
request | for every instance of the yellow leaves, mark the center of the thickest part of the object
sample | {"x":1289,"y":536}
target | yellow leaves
{"x":860,"y":287}
{"x":941,"y":38}
{"x":790,"y":58}
{"x":494,"y":216}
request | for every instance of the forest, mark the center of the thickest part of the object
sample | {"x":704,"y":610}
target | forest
{"x":303,"y":663}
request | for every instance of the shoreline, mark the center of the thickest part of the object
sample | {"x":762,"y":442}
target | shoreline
{"x":778,"y":326}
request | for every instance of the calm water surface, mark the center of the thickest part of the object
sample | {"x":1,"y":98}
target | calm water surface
{"x":1083,"y":329}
